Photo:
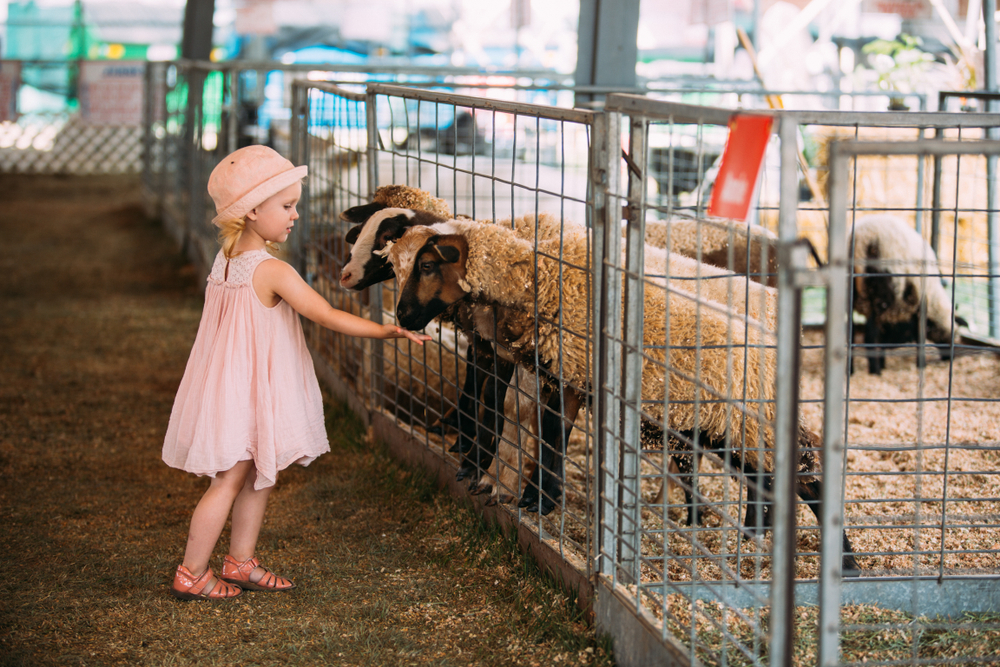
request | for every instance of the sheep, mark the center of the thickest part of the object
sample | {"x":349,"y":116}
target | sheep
{"x":387,"y":224}
{"x":385,"y":220}
{"x":896,"y":283}
{"x":543,"y":306}
{"x":715,"y":284}
{"x":709,"y":241}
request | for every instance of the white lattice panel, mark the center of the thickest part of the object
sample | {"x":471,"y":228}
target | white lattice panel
{"x":61,"y":146}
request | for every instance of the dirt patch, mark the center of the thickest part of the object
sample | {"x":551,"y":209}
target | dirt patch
{"x":99,"y":313}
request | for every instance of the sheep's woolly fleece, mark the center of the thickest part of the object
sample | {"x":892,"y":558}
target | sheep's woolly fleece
{"x":500,"y":270}
{"x":733,"y":291}
{"x":713,"y":239}
{"x":899,"y":250}
{"x":404,"y":196}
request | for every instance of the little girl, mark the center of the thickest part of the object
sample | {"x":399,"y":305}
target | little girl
{"x":249,"y":404}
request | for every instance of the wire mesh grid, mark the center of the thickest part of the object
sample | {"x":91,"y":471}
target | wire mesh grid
{"x":691,"y":423}
{"x":492,"y":162}
{"x":920,"y":468}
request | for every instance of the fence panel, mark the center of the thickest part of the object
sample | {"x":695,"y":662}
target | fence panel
{"x":871,"y":463}
{"x":523,"y":167}
{"x":921,"y":484}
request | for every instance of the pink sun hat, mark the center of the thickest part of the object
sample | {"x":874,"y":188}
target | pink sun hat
{"x":248,"y":176}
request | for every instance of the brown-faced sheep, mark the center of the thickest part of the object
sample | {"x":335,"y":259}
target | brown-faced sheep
{"x":382,"y":222}
{"x":754,"y":248}
{"x":718,"y":369}
{"x":897,"y":283}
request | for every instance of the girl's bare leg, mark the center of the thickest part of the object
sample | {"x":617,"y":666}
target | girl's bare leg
{"x":210,"y":515}
{"x":248,"y":516}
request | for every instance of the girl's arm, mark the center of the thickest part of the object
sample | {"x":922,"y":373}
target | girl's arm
{"x":274,"y":280}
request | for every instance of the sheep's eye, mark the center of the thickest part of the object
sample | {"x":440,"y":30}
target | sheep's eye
{"x":426,"y":267}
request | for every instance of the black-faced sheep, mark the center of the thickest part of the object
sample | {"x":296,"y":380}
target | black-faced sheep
{"x":722,"y":364}
{"x":384,"y":221}
{"x":724,"y":288}
{"x":753,"y":248}
{"x":897,"y":283}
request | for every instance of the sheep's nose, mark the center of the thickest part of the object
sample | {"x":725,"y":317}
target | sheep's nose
{"x":402,"y":312}
{"x":345,"y":277}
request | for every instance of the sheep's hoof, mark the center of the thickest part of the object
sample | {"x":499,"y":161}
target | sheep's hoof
{"x":547,"y":506}
{"x":463,"y":472}
{"x":480,"y":488}
{"x":436,"y":429}
{"x":532,"y":508}
{"x":849,"y":567}
{"x":504,"y":498}
{"x":529,"y":497}
{"x":491,"y":501}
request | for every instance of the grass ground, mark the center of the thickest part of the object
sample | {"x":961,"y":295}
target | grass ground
{"x":98,"y":316}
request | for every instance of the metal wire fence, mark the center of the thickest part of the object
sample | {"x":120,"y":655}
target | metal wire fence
{"x":489,"y":160}
{"x":897,"y":448}
{"x":701,"y":395}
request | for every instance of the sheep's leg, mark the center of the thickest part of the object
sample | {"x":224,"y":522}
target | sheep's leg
{"x":812,"y":493}
{"x":757,"y":480}
{"x":518,"y":436}
{"x":685,"y":477}
{"x":557,"y":425}
{"x":876,"y":355}
{"x":494,"y":391}
{"x":478,"y":365}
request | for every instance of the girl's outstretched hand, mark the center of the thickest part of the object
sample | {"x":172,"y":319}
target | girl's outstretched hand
{"x":393,"y":331}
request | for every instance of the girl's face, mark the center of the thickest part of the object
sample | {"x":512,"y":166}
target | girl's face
{"x":273,"y":219}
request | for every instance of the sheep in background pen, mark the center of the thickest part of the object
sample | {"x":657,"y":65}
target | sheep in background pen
{"x":487,"y":264}
{"x":896,"y":282}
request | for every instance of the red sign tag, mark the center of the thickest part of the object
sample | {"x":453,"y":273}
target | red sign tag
{"x":740,"y":166}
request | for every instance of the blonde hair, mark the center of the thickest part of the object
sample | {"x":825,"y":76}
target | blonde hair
{"x":230,"y":232}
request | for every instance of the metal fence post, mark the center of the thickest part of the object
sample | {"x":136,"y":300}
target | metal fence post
{"x":837,"y":319}
{"x":375,"y":291}
{"x":629,"y":493}
{"x":192,"y":148}
{"x":605,"y":175}
{"x":299,"y":147}
{"x":786,"y":409}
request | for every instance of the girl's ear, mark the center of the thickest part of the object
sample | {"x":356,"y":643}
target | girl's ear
{"x":252,"y":214}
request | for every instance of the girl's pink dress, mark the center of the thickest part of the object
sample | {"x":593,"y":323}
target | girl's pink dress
{"x":249,"y":390}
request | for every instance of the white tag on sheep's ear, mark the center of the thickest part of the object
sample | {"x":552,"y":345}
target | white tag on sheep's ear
{"x":384,"y":252}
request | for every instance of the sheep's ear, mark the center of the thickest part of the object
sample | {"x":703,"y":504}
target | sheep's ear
{"x":353,"y":233}
{"x":448,"y":254}
{"x":361,"y":213}
{"x":960,"y":321}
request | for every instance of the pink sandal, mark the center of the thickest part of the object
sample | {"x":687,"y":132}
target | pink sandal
{"x":188,"y":587}
{"x":239,"y":573}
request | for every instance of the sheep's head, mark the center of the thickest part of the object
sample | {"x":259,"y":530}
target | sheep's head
{"x":431,"y":271}
{"x":367,"y":265}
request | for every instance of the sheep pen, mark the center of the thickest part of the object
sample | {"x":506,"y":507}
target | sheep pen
{"x":869,"y":422}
